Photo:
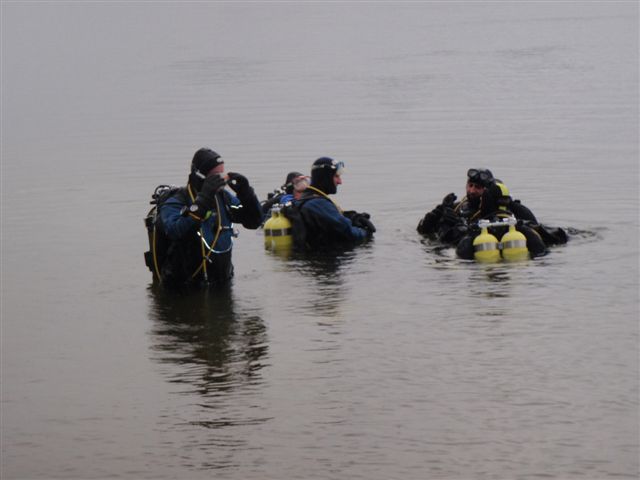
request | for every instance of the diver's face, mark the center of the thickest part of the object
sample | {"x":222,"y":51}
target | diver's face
{"x":300,"y":184}
{"x":474,"y":190}
{"x":337,"y":180}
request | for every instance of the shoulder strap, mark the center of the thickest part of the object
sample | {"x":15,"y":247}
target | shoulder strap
{"x":320,"y":193}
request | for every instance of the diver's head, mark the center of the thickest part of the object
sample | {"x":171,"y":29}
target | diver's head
{"x":325,"y":174}
{"x":478,"y":179}
{"x":205,"y":162}
{"x":288,"y":183}
{"x":300,"y":184}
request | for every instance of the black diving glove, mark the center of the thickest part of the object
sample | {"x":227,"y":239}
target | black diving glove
{"x":240,"y":184}
{"x":361,"y":220}
{"x":206,"y":198}
{"x":450,"y":217}
{"x":349,"y":214}
{"x":449,"y":200}
{"x":429,"y":222}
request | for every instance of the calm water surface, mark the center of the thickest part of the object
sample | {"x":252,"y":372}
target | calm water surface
{"x":391,"y":361}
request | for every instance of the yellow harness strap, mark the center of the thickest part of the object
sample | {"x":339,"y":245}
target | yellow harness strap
{"x":325,"y":196}
{"x":205,"y":256}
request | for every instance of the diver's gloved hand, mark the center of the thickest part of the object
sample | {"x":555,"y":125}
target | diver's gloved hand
{"x":450,"y":217}
{"x":449,"y":200}
{"x":427,"y":224}
{"x":239,"y":184}
{"x":206,"y":198}
{"x":361,"y":220}
{"x":349,"y":214}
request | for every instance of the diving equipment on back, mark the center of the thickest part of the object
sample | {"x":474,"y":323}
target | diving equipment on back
{"x":278,"y":233}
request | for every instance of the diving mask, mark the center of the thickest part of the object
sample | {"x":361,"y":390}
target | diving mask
{"x":300,"y":183}
{"x":338,"y":167}
{"x":480,"y":176}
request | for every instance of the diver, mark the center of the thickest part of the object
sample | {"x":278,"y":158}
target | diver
{"x":449,"y":221}
{"x":495,"y":208}
{"x":324,"y":223}
{"x":487,"y":198}
{"x":197,"y":223}
{"x":292,"y":189}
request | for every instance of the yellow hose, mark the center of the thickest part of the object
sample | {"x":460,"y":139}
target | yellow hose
{"x":205,"y":257}
{"x":325,"y":196}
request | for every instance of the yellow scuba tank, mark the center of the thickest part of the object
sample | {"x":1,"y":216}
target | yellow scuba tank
{"x":277,"y":232}
{"x":514,"y":245}
{"x":485,"y":247}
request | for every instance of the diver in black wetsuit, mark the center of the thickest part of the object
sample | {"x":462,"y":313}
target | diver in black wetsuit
{"x":495,"y":205}
{"x":486,"y":198}
{"x":448,"y":222}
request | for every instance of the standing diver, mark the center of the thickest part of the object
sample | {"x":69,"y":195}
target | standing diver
{"x":196,"y":223}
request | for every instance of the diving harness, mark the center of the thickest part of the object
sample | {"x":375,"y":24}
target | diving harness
{"x":203,"y":242}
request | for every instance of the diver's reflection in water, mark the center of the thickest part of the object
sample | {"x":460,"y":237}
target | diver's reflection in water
{"x":491,"y":281}
{"x":324,"y":272}
{"x":492,"y":286}
{"x":222,"y":348}
{"x":437,"y":255}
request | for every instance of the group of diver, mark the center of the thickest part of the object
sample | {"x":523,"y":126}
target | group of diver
{"x":191,"y":227}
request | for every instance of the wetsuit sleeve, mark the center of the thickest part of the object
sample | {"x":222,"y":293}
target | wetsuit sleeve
{"x":333,"y":221}
{"x":173,"y":223}
{"x":246,"y":211}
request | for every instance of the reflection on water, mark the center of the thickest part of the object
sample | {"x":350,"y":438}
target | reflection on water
{"x":491,"y":281}
{"x":203,"y":328}
{"x":213,"y":352}
{"x":324,"y":272}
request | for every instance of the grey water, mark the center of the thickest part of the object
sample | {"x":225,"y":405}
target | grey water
{"x":391,"y":361}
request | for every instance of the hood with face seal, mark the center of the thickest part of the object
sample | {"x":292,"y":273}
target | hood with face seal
{"x":203,"y":161}
{"x":482,"y":177}
{"x":322,"y":173}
